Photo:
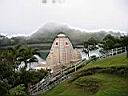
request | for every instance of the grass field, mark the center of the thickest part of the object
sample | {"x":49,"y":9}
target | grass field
{"x":105,"y":77}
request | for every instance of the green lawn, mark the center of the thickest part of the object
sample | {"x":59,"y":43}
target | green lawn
{"x":119,"y":60}
{"x":100,"y":83}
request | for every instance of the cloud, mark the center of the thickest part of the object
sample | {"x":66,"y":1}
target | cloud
{"x":25,"y":16}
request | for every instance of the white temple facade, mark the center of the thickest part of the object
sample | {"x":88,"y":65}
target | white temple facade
{"x":61,"y":53}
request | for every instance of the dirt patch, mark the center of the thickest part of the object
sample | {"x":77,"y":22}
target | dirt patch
{"x":89,"y":85}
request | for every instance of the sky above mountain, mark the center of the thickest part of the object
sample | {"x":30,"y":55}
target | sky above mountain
{"x":26,"y":16}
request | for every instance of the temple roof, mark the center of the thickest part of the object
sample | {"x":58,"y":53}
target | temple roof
{"x":61,"y":35}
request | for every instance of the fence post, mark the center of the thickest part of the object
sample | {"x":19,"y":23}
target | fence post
{"x":75,"y":67}
{"x":37,"y":86}
{"x":116,"y":51}
{"x":112,"y":52}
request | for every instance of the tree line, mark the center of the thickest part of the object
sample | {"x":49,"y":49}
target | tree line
{"x":108,"y":42}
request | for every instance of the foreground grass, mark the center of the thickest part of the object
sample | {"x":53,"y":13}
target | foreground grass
{"x":106,"y":77}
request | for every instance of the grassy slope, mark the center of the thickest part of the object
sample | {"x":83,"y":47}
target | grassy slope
{"x":98,"y":84}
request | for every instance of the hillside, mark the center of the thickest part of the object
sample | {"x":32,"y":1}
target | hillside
{"x":105,"y":77}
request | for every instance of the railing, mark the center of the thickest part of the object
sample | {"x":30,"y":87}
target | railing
{"x":114,"y":51}
{"x":52,"y":80}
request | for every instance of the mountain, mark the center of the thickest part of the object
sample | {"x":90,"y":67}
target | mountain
{"x":48,"y":32}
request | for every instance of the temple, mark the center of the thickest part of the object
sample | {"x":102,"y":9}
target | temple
{"x":61,"y":54}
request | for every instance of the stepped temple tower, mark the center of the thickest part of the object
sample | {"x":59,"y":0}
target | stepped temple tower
{"x":61,"y":53}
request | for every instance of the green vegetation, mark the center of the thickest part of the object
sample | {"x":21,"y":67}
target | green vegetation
{"x":105,"y":77}
{"x":47,"y":36}
{"x":110,"y":41}
{"x":18,"y":91}
{"x":15,"y":81}
{"x":95,"y":79}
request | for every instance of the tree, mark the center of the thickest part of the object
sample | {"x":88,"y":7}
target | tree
{"x":6,"y":72}
{"x":3,"y":88}
{"x":9,"y":77}
{"x":124,"y":40}
{"x":4,"y":40}
{"x":31,"y":76}
{"x":26,"y":53}
{"x":109,"y":37}
{"x":19,"y":90}
{"x":92,"y":41}
{"x":13,"y":55}
{"x":109,"y":42}
{"x":86,"y":44}
{"x":86,"y":48}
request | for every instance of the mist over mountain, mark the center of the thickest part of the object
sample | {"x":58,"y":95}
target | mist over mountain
{"x":48,"y":32}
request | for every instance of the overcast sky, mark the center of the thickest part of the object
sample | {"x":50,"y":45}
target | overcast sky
{"x":25,"y":16}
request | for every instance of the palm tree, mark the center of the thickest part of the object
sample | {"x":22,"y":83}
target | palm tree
{"x":32,"y":59}
{"x":26,"y":54}
{"x":13,"y":56}
{"x":10,"y":55}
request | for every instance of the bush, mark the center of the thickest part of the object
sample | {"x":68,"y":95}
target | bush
{"x":3,"y":88}
{"x":19,"y":90}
